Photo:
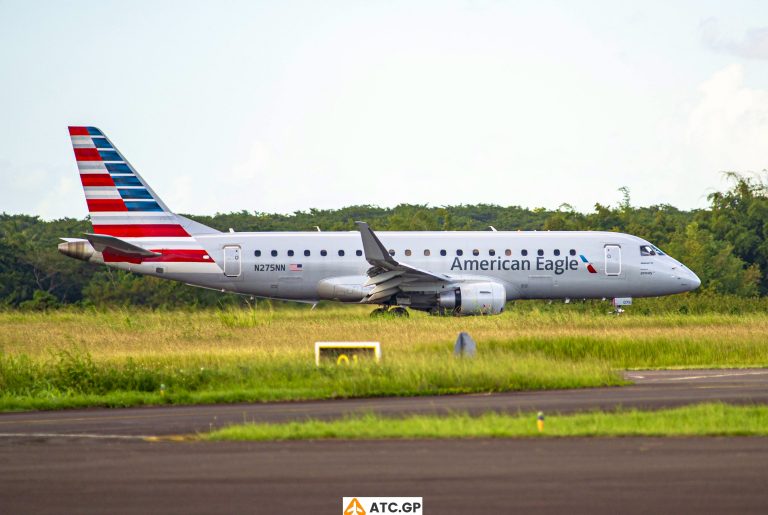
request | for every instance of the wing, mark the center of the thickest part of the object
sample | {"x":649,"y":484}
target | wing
{"x":387,"y":275}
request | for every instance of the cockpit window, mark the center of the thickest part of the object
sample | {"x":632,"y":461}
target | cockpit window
{"x":647,"y":250}
{"x":658,"y":250}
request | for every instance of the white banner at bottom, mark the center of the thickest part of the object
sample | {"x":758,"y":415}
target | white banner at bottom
{"x":382,"y":505}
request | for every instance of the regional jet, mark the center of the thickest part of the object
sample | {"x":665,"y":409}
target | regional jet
{"x":451,"y":272}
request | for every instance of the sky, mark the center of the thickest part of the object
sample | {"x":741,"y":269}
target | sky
{"x":283,"y":106}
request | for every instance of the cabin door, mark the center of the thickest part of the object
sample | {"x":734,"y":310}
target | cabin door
{"x":232,"y":261}
{"x":612,"y":260}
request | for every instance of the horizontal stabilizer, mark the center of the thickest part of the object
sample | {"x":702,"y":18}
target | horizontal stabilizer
{"x":102,"y":242}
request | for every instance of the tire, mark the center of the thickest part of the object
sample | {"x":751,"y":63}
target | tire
{"x":379,"y":312}
{"x":399,"y":312}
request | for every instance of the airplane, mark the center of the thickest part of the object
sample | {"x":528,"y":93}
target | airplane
{"x":448,"y":272}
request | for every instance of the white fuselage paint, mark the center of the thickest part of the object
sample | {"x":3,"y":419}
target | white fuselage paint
{"x":531,"y":276}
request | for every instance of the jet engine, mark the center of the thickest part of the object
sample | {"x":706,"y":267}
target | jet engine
{"x":476,"y":298}
{"x":76,"y":248}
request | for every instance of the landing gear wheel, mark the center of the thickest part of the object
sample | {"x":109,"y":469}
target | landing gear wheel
{"x":379,"y":312}
{"x":399,"y":312}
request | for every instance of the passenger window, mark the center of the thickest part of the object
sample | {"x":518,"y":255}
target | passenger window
{"x":426,"y":252}
{"x":524,"y":252}
{"x":508,"y":252}
{"x":358,"y":252}
{"x":557,"y":252}
{"x":257,"y":253}
{"x":290,"y":253}
{"x":540,"y":252}
{"x":391,"y":252}
{"x":443,"y":252}
{"x":646,"y":250}
{"x":475,"y":252}
{"x":572,"y":252}
{"x":459,"y":252}
{"x":491,"y":252}
{"x":307,"y":253}
{"x":323,"y":252}
{"x":274,"y":253}
{"x":341,"y":253}
{"x":407,"y":252}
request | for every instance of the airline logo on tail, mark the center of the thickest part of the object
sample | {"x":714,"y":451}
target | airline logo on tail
{"x":124,"y":207}
{"x":112,"y":187}
{"x":109,"y":181}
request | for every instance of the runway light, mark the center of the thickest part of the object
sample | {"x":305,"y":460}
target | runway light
{"x":162,"y":390}
{"x":540,"y":421}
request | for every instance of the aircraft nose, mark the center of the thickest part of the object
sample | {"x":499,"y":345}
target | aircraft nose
{"x":695,"y":281}
{"x":682,"y":279}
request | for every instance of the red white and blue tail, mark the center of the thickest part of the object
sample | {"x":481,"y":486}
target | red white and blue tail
{"x":121,"y":204}
{"x":119,"y":201}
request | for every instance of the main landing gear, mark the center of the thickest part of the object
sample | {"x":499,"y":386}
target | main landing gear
{"x":396,"y":311}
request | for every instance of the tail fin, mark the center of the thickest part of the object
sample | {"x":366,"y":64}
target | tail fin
{"x":119,"y":201}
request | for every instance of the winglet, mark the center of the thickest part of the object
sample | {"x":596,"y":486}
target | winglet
{"x":375,"y":252}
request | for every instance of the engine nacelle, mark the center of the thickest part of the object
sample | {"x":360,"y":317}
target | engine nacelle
{"x":480,"y":298}
{"x":78,"y":249}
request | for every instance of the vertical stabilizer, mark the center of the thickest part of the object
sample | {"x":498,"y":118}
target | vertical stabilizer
{"x":119,"y":200}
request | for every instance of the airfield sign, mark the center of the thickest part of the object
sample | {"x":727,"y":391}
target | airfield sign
{"x":346,"y":353}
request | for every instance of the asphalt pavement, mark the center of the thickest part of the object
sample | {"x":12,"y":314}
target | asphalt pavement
{"x":652,"y":390}
{"x":537,"y":476}
{"x":110,"y":461}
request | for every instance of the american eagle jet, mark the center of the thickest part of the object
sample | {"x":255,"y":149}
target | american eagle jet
{"x":454,"y":272}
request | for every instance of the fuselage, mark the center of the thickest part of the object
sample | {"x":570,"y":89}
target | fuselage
{"x":547,"y":265}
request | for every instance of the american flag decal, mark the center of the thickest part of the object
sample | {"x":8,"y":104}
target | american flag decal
{"x":293,"y":267}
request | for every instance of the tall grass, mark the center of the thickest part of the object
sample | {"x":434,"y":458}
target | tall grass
{"x":291,"y":333}
{"x":127,"y":357}
{"x":70,"y":376}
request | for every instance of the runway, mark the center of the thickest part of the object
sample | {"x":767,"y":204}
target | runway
{"x":652,"y":390}
{"x":99,"y":461}
{"x":595,"y":476}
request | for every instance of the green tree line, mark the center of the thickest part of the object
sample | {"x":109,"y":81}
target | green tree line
{"x":726,"y":244}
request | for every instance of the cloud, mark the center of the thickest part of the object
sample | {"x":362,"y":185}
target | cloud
{"x":729,"y":123}
{"x":754,"y":44}
{"x":723,"y":128}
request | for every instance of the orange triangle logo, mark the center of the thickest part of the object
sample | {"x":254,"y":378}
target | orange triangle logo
{"x":354,"y":508}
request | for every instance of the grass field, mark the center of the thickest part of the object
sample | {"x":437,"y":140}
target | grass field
{"x":698,"y":420}
{"x":122,"y":358}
